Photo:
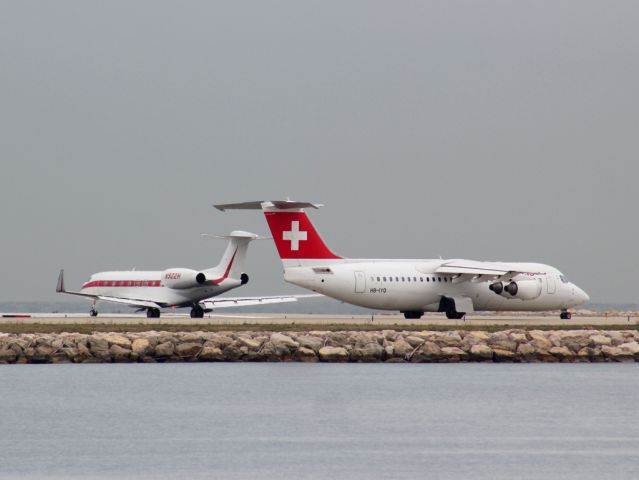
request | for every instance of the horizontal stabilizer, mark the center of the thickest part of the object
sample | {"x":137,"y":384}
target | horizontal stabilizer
{"x":237,"y":234}
{"x":260,"y":205}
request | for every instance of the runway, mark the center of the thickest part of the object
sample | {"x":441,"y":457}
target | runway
{"x":383,"y":320}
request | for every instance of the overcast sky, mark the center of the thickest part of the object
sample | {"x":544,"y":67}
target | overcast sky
{"x":492,"y":130}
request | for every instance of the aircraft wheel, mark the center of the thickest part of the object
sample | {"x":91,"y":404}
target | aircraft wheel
{"x":413,"y":315}
{"x":454,"y":315}
{"x":565,"y":315}
{"x":153,"y":313}
{"x":197,"y":312}
{"x":93,"y":312}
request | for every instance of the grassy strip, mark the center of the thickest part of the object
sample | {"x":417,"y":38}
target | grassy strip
{"x":287,"y":327}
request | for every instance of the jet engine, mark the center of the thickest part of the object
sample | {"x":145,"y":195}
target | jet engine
{"x":521,"y":289}
{"x":181,"y":278}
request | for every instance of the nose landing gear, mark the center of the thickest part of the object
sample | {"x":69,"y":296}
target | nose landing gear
{"x":565,"y":315}
{"x":93,"y":312}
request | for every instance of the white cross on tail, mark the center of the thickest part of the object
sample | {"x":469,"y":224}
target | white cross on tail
{"x":294,"y":235}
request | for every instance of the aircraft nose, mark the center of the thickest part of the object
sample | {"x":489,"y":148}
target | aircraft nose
{"x":582,"y":297}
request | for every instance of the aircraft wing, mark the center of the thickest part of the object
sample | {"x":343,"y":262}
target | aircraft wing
{"x":472,"y":267}
{"x":228,"y":302}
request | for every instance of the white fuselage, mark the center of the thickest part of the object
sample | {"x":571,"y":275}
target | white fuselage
{"x":150,"y":286}
{"x":413,"y":285}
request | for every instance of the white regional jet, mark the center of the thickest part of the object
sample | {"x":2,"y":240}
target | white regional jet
{"x":413,"y":287}
{"x":178,"y":287}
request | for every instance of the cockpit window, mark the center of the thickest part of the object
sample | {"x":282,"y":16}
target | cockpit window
{"x":563,"y":279}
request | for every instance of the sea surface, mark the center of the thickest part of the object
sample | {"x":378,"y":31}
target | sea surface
{"x":245,"y":421}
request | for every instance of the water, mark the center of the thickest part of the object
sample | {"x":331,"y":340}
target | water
{"x":237,"y":421}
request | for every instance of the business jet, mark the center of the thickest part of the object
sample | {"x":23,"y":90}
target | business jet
{"x":178,"y":287}
{"x":453,"y":286}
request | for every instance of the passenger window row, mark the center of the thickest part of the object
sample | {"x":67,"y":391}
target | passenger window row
{"x":408,"y":279}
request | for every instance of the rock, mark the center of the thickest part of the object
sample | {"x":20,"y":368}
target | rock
{"x":210,"y":354}
{"x":631,"y":347}
{"x":279,"y":339}
{"x":525,"y":350}
{"x":617,"y":338}
{"x":232,"y":353}
{"x":446,"y":339}
{"x":414,"y":341}
{"x":562,"y":353}
{"x":371,"y":352}
{"x":501,"y":341}
{"x":221,"y":341}
{"x":501,"y":355}
{"x":164,"y":349}
{"x":193,"y":337}
{"x":99,"y":347}
{"x":539,"y":336}
{"x":333,"y":354}
{"x":390,"y":335}
{"x":250,"y":343}
{"x":454,"y":354}
{"x":481,"y":352}
{"x":401,"y":347}
{"x":483,"y":336}
{"x":304,"y":354}
{"x":428,"y":352}
{"x":44,"y":350}
{"x":7,"y":355}
{"x":518,"y":337}
{"x":120,"y":354}
{"x":337,"y":339}
{"x":601,"y":340}
{"x":471,"y":339}
{"x":310,"y":341}
{"x":616,"y":354}
{"x":118,"y":340}
{"x":140,"y":346}
{"x":188,"y":349}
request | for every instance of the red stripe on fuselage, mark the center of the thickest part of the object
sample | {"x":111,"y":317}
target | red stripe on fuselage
{"x":122,"y":283}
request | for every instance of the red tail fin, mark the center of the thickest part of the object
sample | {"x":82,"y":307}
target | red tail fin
{"x":295,"y":236}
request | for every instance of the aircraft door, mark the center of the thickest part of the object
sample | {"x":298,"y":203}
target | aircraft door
{"x":360,"y":282}
{"x":550,"y":283}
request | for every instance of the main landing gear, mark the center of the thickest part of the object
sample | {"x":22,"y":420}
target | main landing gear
{"x":447,"y":306}
{"x":413,"y":315}
{"x":197,"y":312}
{"x":153,"y":313}
{"x":565,"y":315}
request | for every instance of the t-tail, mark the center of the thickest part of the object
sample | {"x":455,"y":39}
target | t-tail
{"x":232,"y":263}
{"x":296,"y":239}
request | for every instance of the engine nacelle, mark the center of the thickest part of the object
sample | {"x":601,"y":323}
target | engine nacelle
{"x":181,"y":278}
{"x":523,"y":289}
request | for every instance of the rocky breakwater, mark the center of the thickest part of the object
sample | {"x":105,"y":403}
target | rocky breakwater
{"x":324,"y":346}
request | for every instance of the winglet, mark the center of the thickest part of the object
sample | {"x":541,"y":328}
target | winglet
{"x":60,"y":286}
